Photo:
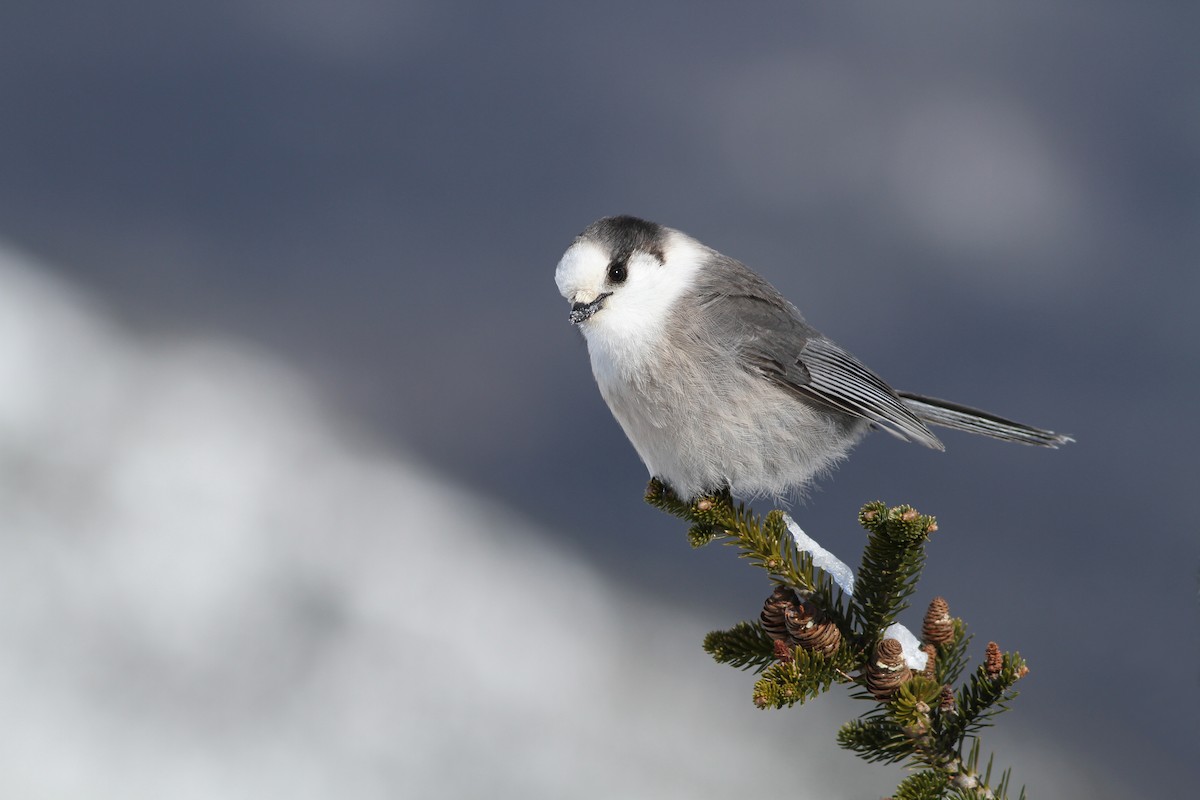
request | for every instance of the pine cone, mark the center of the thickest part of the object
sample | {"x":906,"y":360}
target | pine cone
{"x":930,"y":652}
{"x":807,"y":626}
{"x":947,"y":703}
{"x":939,"y":626}
{"x":782,"y":598}
{"x":886,"y":670}
{"x":993,"y":660}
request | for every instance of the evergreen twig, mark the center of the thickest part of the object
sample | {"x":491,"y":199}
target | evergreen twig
{"x":891,"y":565}
{"x":916,"y":719}
{"x":745,"y":645}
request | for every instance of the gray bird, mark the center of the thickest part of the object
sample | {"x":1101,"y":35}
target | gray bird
{"x":718,"y":381}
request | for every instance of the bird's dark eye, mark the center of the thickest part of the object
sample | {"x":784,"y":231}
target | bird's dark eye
{"x":618,"y":272}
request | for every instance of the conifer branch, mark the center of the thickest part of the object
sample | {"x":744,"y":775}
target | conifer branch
{"x":929,"y":784}
{"x":875,"y":738}
{"x":952,"y":655}
{"x":988,"y":693}
{"x":745,"y":646}
{"x":811,"y":635}
{"x":891,"y":565}
{"x":764,"y":542}
{"x":804,"y":675}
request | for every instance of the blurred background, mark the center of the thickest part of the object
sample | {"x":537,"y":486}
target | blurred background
{"x":305,"y":485}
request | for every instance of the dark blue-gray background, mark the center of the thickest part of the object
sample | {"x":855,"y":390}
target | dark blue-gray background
{"x":998,"y":204}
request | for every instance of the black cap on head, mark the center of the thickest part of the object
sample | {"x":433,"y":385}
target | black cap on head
{"x":624,"y":235}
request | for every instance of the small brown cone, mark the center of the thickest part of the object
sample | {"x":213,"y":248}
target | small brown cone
{"x":939,"y":625}
{"x":772,"y":613}
{"x":807,"y":626}
{"x":886,"y":670}
{"x":930,"y":652}
{"x":993,"y":660}
{"x":947,"y":702}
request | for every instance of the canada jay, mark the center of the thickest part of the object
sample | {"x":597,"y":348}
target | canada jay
{"x":718,"y":381}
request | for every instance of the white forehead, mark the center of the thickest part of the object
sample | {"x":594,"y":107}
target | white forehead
{"x":582,"y":264}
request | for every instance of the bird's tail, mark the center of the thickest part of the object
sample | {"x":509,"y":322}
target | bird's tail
{"x":972,"y":420}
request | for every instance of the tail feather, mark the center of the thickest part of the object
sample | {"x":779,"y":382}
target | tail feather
{"x":972,"y":420}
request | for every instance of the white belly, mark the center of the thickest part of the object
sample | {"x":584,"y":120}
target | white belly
{"x":704,"y":422}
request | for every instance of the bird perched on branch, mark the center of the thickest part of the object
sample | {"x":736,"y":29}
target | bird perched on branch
{"x":718,"y":381}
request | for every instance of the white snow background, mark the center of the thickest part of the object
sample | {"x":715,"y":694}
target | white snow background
{"x":212,"y":587}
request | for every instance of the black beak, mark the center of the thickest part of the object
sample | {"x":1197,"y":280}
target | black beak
{"x":581,"y":311}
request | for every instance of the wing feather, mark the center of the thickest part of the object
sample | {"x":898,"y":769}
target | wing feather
{"x":773,"y":339}
{"x":842,"y":380}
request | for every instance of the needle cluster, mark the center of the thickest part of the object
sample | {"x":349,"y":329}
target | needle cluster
{"x":811,"y":635}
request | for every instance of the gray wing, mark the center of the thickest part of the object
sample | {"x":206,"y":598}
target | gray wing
{"x":774,"y":340}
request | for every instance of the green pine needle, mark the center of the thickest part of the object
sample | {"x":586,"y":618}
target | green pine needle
{"x":891,"y":564}
{"x":808,"y":675}
{"x":745,"y":646}
{"x":700,"y":535}
{"x":875,"y":738}
{"x":763,"y":541}
{"x":929,"y":784}
{"x":952,"y":656}
{"x":983,"y":696}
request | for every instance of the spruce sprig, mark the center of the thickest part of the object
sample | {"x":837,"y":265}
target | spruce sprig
{"x":763,"y":541}
{"x":928,"y":784}
{"x":891,"y":563}
{"x":918,"y":719}
{"x":985,"y":695}
{"x":875,"y":738}
{"x":806,"y":674}
{"x":745,"y":646}
{"x":952,"y":656}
